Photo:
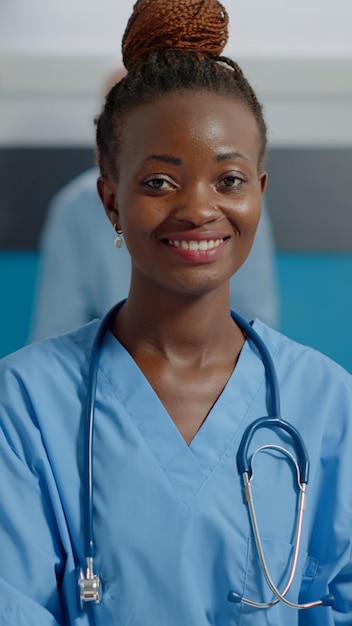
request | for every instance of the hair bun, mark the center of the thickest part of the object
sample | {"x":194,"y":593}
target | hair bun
{"x":200,"y":25}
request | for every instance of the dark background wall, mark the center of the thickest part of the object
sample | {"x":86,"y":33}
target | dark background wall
{"x":310,"y":198}
{"x":29,"y":177}
{"x":310,"y":201}
{"x":309,"y":194}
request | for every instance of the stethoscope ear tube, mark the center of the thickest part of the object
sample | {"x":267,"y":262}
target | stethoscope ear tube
{"x":244,"y":464}
{"x":274,"y":419}
{"x":243,"y":461}
{"x":272,"y":382}
{"x":89,"y":428}
{"x":89,"y":583}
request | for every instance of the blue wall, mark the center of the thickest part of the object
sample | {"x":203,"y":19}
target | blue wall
{"x":315,"y":295}
{"x":17,"y":281}
{"x":316,"y":302}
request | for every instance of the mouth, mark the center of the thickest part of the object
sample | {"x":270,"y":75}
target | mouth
{"x":202,"y":245}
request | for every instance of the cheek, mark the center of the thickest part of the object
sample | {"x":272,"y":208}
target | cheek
{"x":142,"y":215}
{"x":246,"y":216}
{"x":139,"y":223}
{"x":256,"y":216}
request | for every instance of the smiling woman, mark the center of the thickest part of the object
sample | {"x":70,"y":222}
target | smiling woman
{"x":176,"y":383}
{"x":191,"y":194}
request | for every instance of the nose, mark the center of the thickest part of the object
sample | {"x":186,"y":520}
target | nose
{"x":197,"y":205}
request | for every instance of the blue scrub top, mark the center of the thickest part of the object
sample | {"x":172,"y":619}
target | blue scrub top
{"x":171,"y":526}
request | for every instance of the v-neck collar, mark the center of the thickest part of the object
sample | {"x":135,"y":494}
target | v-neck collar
{"x":186,"y":466}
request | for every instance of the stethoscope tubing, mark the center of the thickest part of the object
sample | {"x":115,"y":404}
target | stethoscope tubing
{"x":89,"y":429}
{"x":273,"y":421}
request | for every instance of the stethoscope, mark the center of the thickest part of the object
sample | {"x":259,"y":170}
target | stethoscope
{"x":90,"y":584}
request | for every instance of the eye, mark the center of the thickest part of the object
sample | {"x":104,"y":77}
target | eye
{"x":155,"y":183}
{"x":231,"y":181}
{"x":158,"y":182}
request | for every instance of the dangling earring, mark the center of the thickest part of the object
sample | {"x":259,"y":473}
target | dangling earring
{"x":119,"y":240}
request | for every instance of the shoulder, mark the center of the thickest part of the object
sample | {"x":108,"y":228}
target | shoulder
{"x":57,"y":359}
{"x":42,"y":395}
{"x":282,"y":348}
{"x":42,"y":391}
{"x":305,"y":370}
{"x":315,"y":395}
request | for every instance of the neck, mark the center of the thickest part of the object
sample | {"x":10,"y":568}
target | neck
{"x":179,"y":326}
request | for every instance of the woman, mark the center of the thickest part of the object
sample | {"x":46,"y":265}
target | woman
{"x":181,"y":146}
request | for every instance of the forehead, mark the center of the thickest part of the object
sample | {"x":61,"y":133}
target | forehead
{"x":190,"y":119}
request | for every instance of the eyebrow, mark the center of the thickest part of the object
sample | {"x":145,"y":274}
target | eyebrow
{"x":167,"y":158}
{"x":230,"y":155}
{"x":164,"y":158}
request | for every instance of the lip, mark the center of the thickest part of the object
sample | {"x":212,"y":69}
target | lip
{"x":196,"y":247}
{"x":195,"y":236}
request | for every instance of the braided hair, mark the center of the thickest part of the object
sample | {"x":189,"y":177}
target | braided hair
{"x":171,"y":45}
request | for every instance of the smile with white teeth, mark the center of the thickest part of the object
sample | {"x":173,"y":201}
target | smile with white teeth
{"x":202,"y":245}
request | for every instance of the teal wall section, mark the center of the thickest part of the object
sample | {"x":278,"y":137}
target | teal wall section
{"x":17,"y":280}
{"x":316,"y":302}
{"x":315,"y":295}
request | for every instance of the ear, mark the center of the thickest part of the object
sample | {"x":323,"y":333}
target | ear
{"x":107,"y":193}
{"x":263,"y":179}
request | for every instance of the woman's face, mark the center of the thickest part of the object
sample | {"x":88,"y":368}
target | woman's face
{"x":189,"y":190}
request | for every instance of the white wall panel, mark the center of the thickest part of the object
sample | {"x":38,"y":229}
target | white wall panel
{"x":52,"y":99}
{"x":299,"y":28}
{"x":54,"y":56}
